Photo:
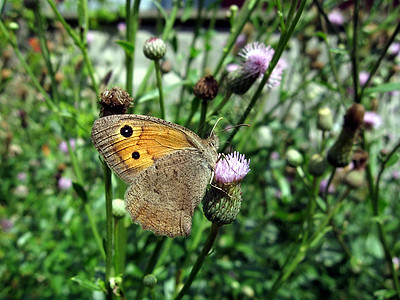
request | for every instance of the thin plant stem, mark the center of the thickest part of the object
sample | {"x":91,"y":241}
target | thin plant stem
{"x":200,"y":259}
{"x":221,"y":105}
{"x":202,"y":123}
{"x":160,"y":88}
{"x":109,"y":226}
{"x":151,"y":264}
{"x":132,"y":24}
{"x":354,"y":52}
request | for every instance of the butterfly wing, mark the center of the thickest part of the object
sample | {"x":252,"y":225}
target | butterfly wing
{"x":163,"y":198}
{"x":130,"y":144}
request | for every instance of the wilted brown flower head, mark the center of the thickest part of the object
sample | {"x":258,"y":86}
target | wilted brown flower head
{"x":114,"y":102}
{"x":206,"y":88}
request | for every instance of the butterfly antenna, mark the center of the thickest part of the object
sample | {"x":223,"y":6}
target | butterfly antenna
{"x":215,"y":125}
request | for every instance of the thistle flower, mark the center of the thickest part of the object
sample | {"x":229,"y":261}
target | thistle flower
{"x":372,"y":120}
{"x":336,"y":17}
{"x":256,"y":59}
{"x":363,"y":77}
{"x":394,"y":48}
{"x":64,"y":183}
{"x":222,"y":202}
{"x":114,"y":102}
{"x":232,"y":168}
{"x":63,"y":146}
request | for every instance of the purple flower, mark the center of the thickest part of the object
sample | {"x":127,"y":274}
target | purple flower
{"x":231,"y":168}
{"x":232,"y":67}
{"x":121,"y":27}
{"x":396,"y":175}
{"x":257,"y":58}
{"x":241,"y":40}
{"x":63,"y":146}
{"x":275,"y":155}
{"x":372,"y":119}
{"x":90,"y":37}
{"x":363,"y":77}
{"x":64,"y":183}
{"x":336,"y":17}
{"x":394,"y":48}
{"x":322,"y":187}
{"x":6,"y":225}
{"x":21,"y":176}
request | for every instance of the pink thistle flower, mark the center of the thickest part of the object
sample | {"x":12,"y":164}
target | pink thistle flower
{"x":64,"y":183}
{"x":21,"y":176}
{"x":363,"y":77}
{"x":257,"y":58}
{"x":63,"y":146}
{"x":121,"y":27}
{"x":336,"y":17}
{"x":394,"y":48}
{"x":231,"y":168}
{"x":232,"y":67}
{"x":372,"y":119}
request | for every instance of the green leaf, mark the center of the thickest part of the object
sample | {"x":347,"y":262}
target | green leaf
{"x":86,"y":283}
{"x":392,"y":160}
{"x":321,"y":35}
{"x":383,"y":88}
{"x":127,"y":46}
{"x":385,"y":294}
{"x":80,"y":191}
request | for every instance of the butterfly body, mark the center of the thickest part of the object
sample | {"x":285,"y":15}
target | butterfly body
{"x":166,"y":166}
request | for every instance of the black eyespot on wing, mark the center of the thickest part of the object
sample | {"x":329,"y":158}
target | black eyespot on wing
{"x":135,"y":155}
{"x":126,"y":131}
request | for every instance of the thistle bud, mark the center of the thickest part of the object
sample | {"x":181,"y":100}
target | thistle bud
{"x":150,"y":281}
{"x":240,"y":81}
{"x":340,"y":154}
{"x":317,"y":165}
{"x":114,"y":102}
{"x":154,"y":48}
{"x":118,"y":208}
{"x":294,"y":158}
{"x":206,"y":88}
{"x":324,"y":121}
{"x":354,"y":178}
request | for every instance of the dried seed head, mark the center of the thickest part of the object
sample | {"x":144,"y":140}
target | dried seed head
{"x":114,"y":102}
{"x":206,"y":88}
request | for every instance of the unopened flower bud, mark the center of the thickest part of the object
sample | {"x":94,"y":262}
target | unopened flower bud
{"x":222,"y":205}
{"x":324,"y":121}
{"x":340,"y":154}
{"x":154,"y":48}
{"x":240,"y":81}
{"x":294,"y":158}
{"x":206,"y":88}
{"x":317,"y":165}
{"x":354,"y":178}
{"x":150,"y":281}
{"x":118,"y":208}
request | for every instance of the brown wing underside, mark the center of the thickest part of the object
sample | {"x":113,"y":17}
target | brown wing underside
{"x":163,"y":198}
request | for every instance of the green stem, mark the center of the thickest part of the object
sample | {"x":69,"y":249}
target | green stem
{"x":221,"y":105}
{"x":151,"y":264}
{"x":202,"y":123}
{"x":200,"y":259}
{"x":109,"y":224}
{"x":354,"y":53}
{"x":132,"y":24}
{"x":160,"y":88}
{"x":119,"y":245}
{"x":281,"y":47}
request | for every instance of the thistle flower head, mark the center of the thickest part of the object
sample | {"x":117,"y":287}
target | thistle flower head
{"x":372,"y":120}
{"x":336,"y":17}
{"x":257,"y":58}
{"x":231,"y":168}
